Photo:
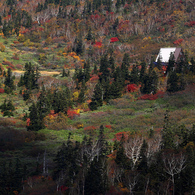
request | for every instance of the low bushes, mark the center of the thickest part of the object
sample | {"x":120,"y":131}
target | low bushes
{"x":10,"y":65}
{"x":159,"y":94}
{"x":122,"y":112}
{"x":120,"y":103}
{"x":56,"y":121}
{"x":2,"y":47}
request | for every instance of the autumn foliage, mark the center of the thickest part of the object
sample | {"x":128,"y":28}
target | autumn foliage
{"x":114,"y":39}
{"x":2,"y":90}
{"x":72,"y":113}
{"x":159,"y":94}
{"x":132,"y":87}
{"x":119,"y":135}
{"x":178,"y":41}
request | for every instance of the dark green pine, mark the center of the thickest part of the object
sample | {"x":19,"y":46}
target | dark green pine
{"x":97,"y":99}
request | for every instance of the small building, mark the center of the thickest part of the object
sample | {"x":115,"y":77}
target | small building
{"x":165,"y":53}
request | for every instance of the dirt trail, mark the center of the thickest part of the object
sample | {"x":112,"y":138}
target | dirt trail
{"x":43,"y":73}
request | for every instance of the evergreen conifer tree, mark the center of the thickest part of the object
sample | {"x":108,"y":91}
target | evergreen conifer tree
{"x":97,"y":99}
{"x":143,"y":166}
{"x":81,"y":98}
{"x":0,"y":21}
{"x":115,"y":89}
{"x":121,"y":159}
{"x":89,"y":34}
{"x":9,"y":81}
{"x":171,"y":63}
{"x":96,"y":180}
{"x":112,"y":63}
{"x":104,"y":65}
{"x":124,"y":71}
{"x":192,"y":67}
{"x":180,"y":66}
{"x":30,"y":77}
{"x":167,"y":133}
{"x":172,"y":82}
{"x":142,"y":72}
{"x":43,"y":104}
{"x":5,"y":29}
{"x":102,"y":142}
{"x":36,"y":123}
{"x":86,"y":71}
{"x":64,"y":73}
{"x":95,"y":69}
{"x":159,"y":63}
{"x":7,"y":108}
{"x":134,"y":76}
{"x":79,"y":46}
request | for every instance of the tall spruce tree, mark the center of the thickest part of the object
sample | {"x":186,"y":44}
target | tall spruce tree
{"x":7,"y":108}
{"x":97,"y":180}
{"x":86,"y":71}
{"x":171,"y":63}
{"x":192,"y":67}
{"x":97,"y":99}
{"x":81,"y":98}
{"x":79,"y":46}
{"x":9,"y":81}
{"x":104,"y":65}
{"x":134,"y":76}
{"x":115,"y":89}
{"x":142,"y":72}
{"x":61,"y":101}
{"x":124,"y":67}
{"x":30,"y":77}
{"x":67,"y":164}
{"x":167,"y":133}
{"x":172,"y":82}
{"x":159,"y":63}
{"x":112,"y":63}
{"x":43,"y":104}
{"x":36,"y":122}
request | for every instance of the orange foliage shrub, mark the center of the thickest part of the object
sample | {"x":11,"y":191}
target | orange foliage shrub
{"x":16,"y":42}
{"x":72,"y":114}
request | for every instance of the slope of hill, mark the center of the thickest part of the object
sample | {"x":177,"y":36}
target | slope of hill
{"x":83,"y":108}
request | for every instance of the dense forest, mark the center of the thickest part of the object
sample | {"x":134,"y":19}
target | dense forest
{"x":83,"y":107}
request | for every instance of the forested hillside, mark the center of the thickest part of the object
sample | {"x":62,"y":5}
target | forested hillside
{"x":83,"y":107}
